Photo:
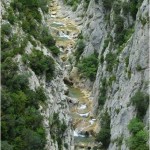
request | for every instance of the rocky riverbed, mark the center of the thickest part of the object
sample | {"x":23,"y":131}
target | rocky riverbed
{"x":65,"y":30}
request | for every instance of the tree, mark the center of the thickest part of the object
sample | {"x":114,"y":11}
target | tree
{"x":140,"y":101}
{"x":135,"y":126}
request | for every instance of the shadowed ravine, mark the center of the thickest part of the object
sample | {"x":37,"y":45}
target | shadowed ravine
{"x":65,"y":31}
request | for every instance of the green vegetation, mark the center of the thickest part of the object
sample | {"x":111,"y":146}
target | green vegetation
{"x":129,"y":73}
{"x":106,"y":42}
{"x":117,"y":110}
{"x":124,"y":36}
{"x":107,"y":4}
{"x":102,"y":95}
{"x":30,"y":15}
{"x":125,"y":8}
{"x":116,"y":7}
{"x":40,"y":63}
{"x":88,"y":66}
{"x":104,"y":134}
{"x":6,"y":29}
{"x":79,"y":47}
{"x":139,"y":137}
{"x":111,"y":59}
{"x":47,"y":40}
{"x":140,"y":101}
{"x":135,"y":126}
{"x":75,"y":3}
{"x":57,"y":130}
{"x":131,"y":7}
{"x":66,"y":145}
{"x":21,"y":120}
{"x":12,"y":47}
{"x":96,"y":1}
{"x":138,"y":68}
{"x":127,"y":61}
{"x":11,"y":17}
{"x":119,"y":141}
{"x":118,"y":20}
{"x":143,"y":20}
{"x":86,"y":4}
{"x":111,"y":79}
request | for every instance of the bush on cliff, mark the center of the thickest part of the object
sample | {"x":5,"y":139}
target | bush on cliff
{"x":88,"y":66}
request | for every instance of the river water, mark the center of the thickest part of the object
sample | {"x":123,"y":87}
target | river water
{"x":65,"y":31}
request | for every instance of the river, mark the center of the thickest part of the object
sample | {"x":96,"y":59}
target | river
{"x":65,"y":30}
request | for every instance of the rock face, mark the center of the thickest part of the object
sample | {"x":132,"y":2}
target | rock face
{"x":129,"y":75}
{"x":128,"y":78}
{"x":55,"y":90}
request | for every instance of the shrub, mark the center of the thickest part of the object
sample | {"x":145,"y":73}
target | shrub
{"x":102,"y":59}
{"x":96,"y":1}
{"x":6,"y":29}
{"x":117,"y":7}
{"x":18,"y":82}
{"x":140,"y":101}
{"x":88,"y":66}
{"x":106,"y":42}
{"x":6,"y":146}
{"x":40,"y":63}
{"x":47,"y":39}
{"x":104,"y":134}
{"x":125,"y":7}
{"x":33,"y":140}
{"x":25,"y":26}
{"x":111,"y":59}
{"x":107,"y":4}
{"x":66,"y":145}
{"x":133,"y":8}
{"x":57,"y":129}
{"x":138,"y":68}
{"x":139,"y":137}
{"x":124,"y":36}
{"x":111,"y":79}
{"x":11,"y":17}
{"x":55,"y":50}
{"x":80,"y":48}
{"x":8,"y":70}
{"x":102,"y":91}
{"x":75,"y":5}
{"x":143,"y":20}
{"x":118,"y":20}
{"x":135,"y":126}
{"x":127,"y":61}
{"x":139,"y":141}
{"x":40,"y":94}
{"x":129,"y":73}
{"x":86,"y":3}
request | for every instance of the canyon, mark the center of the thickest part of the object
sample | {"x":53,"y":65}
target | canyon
{"x":86,"y":63}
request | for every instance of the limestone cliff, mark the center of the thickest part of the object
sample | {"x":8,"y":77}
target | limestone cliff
{"x":123,"y":60}
{"x":55,"y":110}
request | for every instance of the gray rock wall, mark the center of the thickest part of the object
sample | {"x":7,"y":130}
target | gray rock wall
{"x":54,"y":90}
{"x":124,"y":87}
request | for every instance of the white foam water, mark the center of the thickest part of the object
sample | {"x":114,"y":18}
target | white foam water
{"x":83,"y":106}
{"x":84,"y":115}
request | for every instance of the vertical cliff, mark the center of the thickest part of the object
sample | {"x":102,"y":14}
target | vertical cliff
{"x":35,"y":111}
{"x":118,"y":32}
{"x":110,"y":59}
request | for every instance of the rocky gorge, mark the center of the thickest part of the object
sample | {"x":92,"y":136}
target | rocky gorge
{"x":86,"y":64}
